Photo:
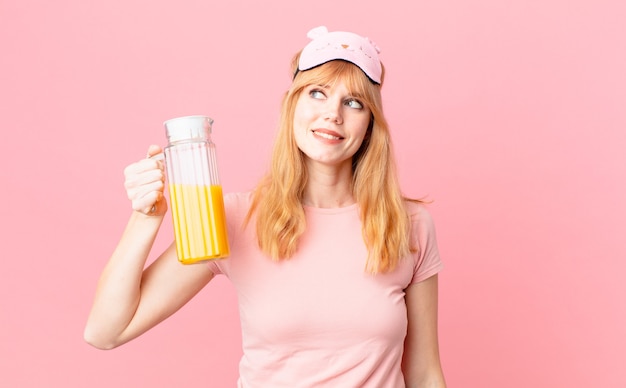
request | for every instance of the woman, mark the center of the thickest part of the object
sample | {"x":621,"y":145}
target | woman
{"x":335,"y":272}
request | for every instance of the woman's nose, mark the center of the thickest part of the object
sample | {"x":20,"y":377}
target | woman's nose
{"x":333,"y":113}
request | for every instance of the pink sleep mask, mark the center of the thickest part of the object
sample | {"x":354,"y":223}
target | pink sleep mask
{"x":327,"y":46}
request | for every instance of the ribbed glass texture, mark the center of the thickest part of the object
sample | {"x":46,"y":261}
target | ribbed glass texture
{"x":196,"y":197}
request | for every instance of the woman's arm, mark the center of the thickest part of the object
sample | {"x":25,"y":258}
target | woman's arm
{"x":130,"y":300}
{"x":421,"y":364}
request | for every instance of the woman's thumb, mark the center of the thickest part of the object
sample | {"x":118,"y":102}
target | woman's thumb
{"x":153,"y":150}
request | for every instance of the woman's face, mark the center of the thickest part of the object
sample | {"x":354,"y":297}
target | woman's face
{"x":329,"y":124}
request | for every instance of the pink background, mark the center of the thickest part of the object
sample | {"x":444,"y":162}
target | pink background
{"x":510,"y":115}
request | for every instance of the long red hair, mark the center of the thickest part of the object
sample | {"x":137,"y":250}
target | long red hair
{"x":277,"y":200}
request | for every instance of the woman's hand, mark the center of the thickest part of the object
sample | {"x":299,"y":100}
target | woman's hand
{"x":145,"y":182}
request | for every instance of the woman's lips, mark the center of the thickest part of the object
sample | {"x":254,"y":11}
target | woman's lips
{"x":327,"y":134}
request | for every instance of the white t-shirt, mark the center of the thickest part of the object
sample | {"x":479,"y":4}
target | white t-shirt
{"x":318,"y":319}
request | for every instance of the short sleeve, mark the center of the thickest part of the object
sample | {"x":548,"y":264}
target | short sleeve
{"x":427,"y":261}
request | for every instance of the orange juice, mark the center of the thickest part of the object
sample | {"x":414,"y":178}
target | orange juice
{"x":199,"y":222}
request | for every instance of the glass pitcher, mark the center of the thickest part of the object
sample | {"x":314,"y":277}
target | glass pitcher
{"x":195,"y":192}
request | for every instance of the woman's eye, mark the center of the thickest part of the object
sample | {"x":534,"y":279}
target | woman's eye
{"x":316,"y":94}
{"x":354,"y":104}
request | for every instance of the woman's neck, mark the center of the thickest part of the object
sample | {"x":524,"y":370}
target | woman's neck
{"x":328,"y":186}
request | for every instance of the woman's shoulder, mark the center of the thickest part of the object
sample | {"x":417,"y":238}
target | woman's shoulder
{"x":238,"y":197}
{"x":424,"y":240}
{"x":416,"y":208}
{"x":419,"y":215}
{"x":237,"y":203}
